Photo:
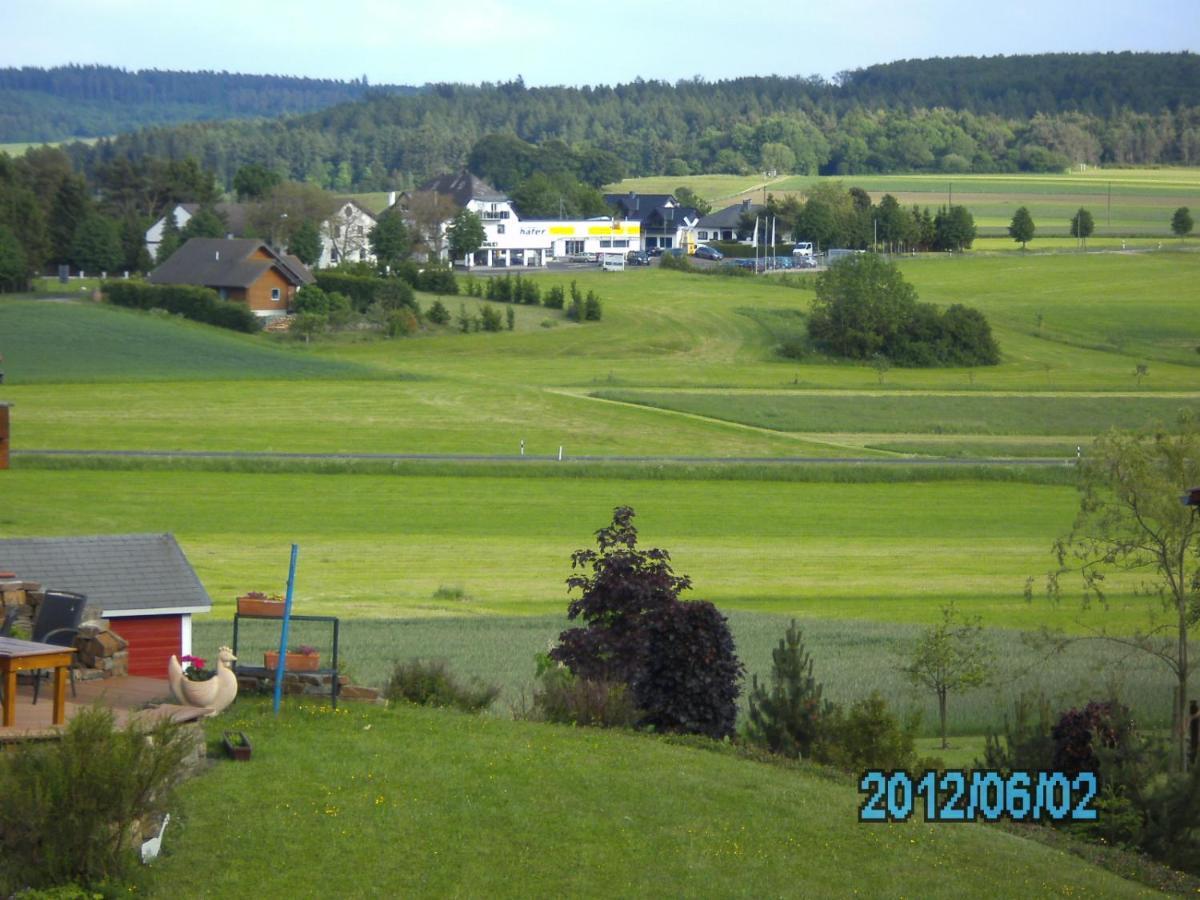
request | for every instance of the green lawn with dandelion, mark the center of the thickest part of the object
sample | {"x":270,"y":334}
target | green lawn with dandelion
{"x":433,"y":803}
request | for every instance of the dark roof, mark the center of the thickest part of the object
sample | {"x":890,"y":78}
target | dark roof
{"x":298,"y":268}
{"x":225,"y":263}
{"x":234,"y":215}
{"x":635,"y":207}
{"x":463,"y":187}
{"x":120,"y":573}
{"x":730,"y":216}
{"x":671,"y":216}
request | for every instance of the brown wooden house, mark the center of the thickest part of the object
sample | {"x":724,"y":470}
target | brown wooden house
{"x":240,"y":269}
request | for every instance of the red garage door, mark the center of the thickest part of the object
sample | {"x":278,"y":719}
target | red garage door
{"x":152,"y":640}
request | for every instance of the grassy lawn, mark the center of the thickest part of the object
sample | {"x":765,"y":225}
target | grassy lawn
{"x":414,"y":802}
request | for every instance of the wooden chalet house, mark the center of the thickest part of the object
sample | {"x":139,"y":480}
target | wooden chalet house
{"x":240,"y":269}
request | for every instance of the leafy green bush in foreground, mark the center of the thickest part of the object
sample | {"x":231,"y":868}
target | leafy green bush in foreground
{"x":72,"y":811}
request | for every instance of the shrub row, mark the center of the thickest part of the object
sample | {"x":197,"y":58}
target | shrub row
{"x":197,"y":303}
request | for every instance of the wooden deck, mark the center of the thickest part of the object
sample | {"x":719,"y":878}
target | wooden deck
{"x":126,"y":695}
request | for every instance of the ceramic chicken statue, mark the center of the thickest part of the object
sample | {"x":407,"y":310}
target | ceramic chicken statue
{"x":216,"y":693}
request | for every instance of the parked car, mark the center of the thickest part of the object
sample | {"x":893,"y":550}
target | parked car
{"x":582,"y":258}
{"x":705,"y":252}
{"x":637,"y":258}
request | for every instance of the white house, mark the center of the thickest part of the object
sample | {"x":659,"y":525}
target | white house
{"x":234,"y":215}
{"x":344,"y":236}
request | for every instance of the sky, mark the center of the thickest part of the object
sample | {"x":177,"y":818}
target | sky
{"x":583,"y":42}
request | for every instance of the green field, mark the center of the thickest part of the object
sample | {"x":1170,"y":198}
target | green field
{"x":1122,"y":201}
{"x":467,"y":559}
{"x":433,"y":803}
{"x":680,"y":366}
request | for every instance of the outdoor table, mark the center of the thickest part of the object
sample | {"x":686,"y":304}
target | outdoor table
{"x":24,"y":656}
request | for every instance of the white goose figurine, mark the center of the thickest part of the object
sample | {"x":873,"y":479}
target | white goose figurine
{"x":216,"y":693}
{"x":151,"y":847}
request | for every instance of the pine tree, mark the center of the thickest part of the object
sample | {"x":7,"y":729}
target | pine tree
{"x":786,"y":719}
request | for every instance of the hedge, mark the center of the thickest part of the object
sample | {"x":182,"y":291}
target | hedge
{"x":364,"y":291}
{"x":197,"y":303}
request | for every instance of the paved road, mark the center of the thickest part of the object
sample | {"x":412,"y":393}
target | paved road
{"x":469,"y":457}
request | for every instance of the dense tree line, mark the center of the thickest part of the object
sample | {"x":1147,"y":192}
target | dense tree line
{"x":88,"y":101}
{"x":1140,"y":108}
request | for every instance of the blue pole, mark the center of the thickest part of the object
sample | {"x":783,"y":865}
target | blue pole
{"x":281,"y":663}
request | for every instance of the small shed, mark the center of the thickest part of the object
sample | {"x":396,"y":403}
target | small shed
{"x":142,"y":583}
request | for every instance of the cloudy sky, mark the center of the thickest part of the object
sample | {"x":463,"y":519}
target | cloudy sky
{"x":597,"y":42}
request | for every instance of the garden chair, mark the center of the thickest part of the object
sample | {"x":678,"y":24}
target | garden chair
{"x":10,"y":619}
{"x":57,"y":623}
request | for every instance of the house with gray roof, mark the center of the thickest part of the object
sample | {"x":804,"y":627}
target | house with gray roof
{"x":728,"y":224}
{"x":240,"y":269}
{"x":142,"y":583}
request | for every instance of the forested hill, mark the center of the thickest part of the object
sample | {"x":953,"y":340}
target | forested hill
{"x":1022,"y":86}
{"x":91,"y":101}
{"x":1026,"y":113}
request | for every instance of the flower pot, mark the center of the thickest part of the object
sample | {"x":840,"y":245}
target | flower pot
{"x":293,"y":662}
{"x":237,"y":745}
{"x":252,"y":606}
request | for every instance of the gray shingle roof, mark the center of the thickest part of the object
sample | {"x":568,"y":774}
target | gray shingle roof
{"x":223,"y":263}
{"x":120,"y":573}
{"x":463,"y":187}
{"x":730,"y":216}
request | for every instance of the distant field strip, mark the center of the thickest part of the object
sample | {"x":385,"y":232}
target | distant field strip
{"x":964,"y":413}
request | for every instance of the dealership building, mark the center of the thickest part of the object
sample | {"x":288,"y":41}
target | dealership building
{"x":635,"y":224}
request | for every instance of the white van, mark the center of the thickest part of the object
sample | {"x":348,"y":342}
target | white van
{"x":802,"y":248}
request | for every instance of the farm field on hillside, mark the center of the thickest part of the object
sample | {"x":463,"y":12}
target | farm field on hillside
{"x":1123,"y":201}
{"x":1065,"y":324}
{"x":383,"y":545}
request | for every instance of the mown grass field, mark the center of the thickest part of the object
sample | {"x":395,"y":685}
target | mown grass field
{"x":431,"y":803}
{"x":1122,"y":201}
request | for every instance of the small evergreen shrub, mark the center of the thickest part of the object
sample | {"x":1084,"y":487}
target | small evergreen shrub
{"x":437,"y":313}
{"x":786,"y":718}
{"x":430,"y":683}
{"x":555,"y":298}
{"x":490,"y":319}
{"x":70,"y":807}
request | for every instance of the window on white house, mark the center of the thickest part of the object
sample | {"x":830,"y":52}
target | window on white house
{"x":500,"y":229}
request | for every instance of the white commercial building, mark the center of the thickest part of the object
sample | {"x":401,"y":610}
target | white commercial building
{"x":512,"y":241}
